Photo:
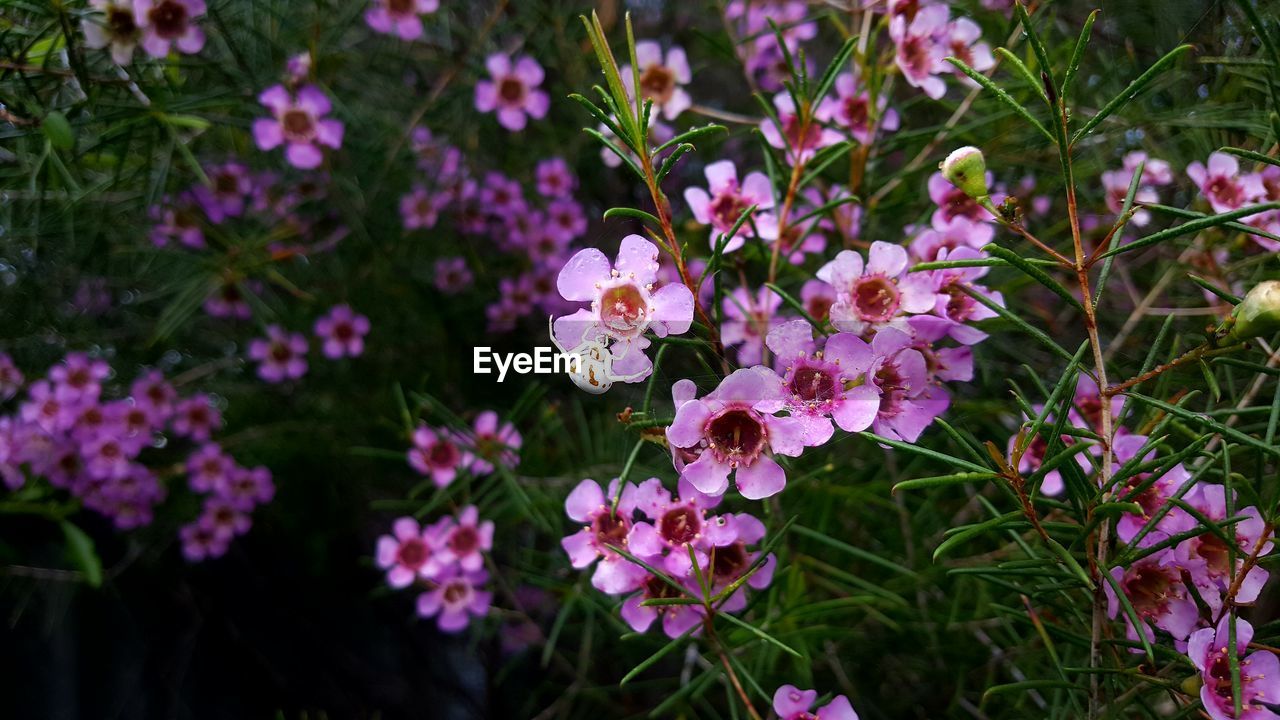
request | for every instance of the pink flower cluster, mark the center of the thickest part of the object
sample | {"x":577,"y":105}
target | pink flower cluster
{"x":669,"y":534}
{"x":158,"y":25}
{"x":107,"y":452}
{"x":1222,"y":183}
{"x":924,"y":33}
{"x":446,"y":560}
{"x":442,"y":453}
{"x":282,"y":355}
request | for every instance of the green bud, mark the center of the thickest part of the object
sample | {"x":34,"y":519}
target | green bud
{"x":967,"y":169}
{"x":1258,"y":314}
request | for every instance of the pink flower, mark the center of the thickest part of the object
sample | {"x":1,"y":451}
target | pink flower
{"x":493,"y":443}
{"x":1154,"y":171}
{"x":452,"y":275}
{"x":177,"y":220}
{"x":661,"y":80}
{"x":817,"y":297}
{"x":555,"y":179}
{"x":399,"y":17}
{"x":464,"y":542}
{"x":116,"y":29}
{"x":513,"y":91}
{"x":800,"y":142}
{"x":1154,"y":588}
{"x":406,"y":554}
{"x":677,"y":525}
{"x":1115,"y":183}
{"x":419,"y":209}
{"x":248,"y":488}
{"x":230,"y":186}
{"x":1223,"y":185}
{"x":919,"y":55}
{"x":166,"y":23}
{"x":1208,"y":558}
{"x":196,"y":418}
{"x":724,"y":201}
{"x":227,"y":301}
{"x":961,"y":39}
{"x":818,"y":382}
{"x":281,"y":355}
{"x":957,"y":231}
{"x":900,"y":376}
{"x":676,"y":619}
{"x":202,"y":541}
{"x":154,"y":396}
{"x":224,"y":518}
{"x":952,"y":202}
{"x":298,"y":122}
{"x":736,"y":427}
{"x":878,"y":294}
{"x":955,"y":307}
{"x":1152,"y":494}
{"x":342,"y":331}
{"x":852,"y":110}
{"x":456,"y":599}
{"x":792,"y":703}
{"x":1209,"y":650}
{"x":602,"y":528}
{"x":209,"y":469}
{"x":438,"y":454}
{"x":748,"y":320}
{"x":10,"y":377}
{"x":78,"y":378}
{"x":624,"y":304}
{"x":565,"y":220}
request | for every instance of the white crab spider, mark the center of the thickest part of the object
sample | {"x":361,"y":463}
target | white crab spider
{"x":593,"y":371}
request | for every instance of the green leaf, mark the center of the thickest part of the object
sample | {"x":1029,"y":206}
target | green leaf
{"x":1135,"y":87}
{"x":58,"y":130}
{"x":1034,"y":82}
{"x":833,"y":70}
{"x":654,"y":658}
{"x":1078,"y":54}
{"x":924,"y":452}
{"x":796,"y":305}
{"x":1028,"y":685}
{"x":851,"y":550}
{"x":1208,"y":423}
{"x":83,"y":554}
{"x":759,"y":633}
{"x":939,"y":480}
{"x":633,"y":213}
{"x":1221,"y":293}
{"x":1251,"y":155}
{"x":690,"y":135}
{"x":626,"y":159}
{"x":969,"y":532}
{"x":1134,"y":618}
{"x":1193,"y":226}
{"x":1184,"y":213}
{"x":1004,"y":97}
{"x":1037,"y":47}
{"x":1033,"y":272}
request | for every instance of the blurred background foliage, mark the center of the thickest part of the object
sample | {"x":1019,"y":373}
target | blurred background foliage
{"x":294,"y":619}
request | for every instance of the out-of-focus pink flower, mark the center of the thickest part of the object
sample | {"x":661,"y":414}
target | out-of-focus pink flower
{"x":661,"y":79}
{"x":399,"y":17}
{"x":852,"y":110}
{"x":961,"y":39}
{"x":1222,"y":184}
{"x":452,"y":275}
{"x":456,"y":599}
{"x":555,"y":179}
{"x":800,"y":140}
{"x":792,"y":703}
{"x":298,"y":122}
{"x":342,"y":332}
{"x":438,"y":454}
{"x":10,"y":377}
{"x":116,"y":29}
{"x":724,"y":201}
{"x":919,"y":54}
{"x":281,"y":355}
{"x":406,"y":554}
{"x":494,"y":442}
{"x":169,"y":23}
{"x":748,"y":318}
{"x":877,"y":294}
{"x":513,"y":91}
{"x":465,"y":540}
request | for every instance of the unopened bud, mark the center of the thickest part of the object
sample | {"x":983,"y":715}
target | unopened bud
{"x":1258,"y":314}
{"x":967,"y":169}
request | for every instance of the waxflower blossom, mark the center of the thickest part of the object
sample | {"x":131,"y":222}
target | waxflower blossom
{"x":399,"y":17}
{"x":602,"y":528}
{"x":452,"y":275}
{"x":225,"y":197}
{"x":342,"y":332}
{"x":1208,"y":558}
{"x":876,"y":294}
{"x":406,"y":553}
{"x":737,"y":430}
{"x":493,"y":443}
{"x":853,"y":111}
{"x":899,"y":374}
{"x":438,"y":454}
{"x":675,"y":524}
{"x":1156,"y":591}
{"x":624,"y":304}
{"x":1222,"y":184}
{"x":724,"y":201}
{"x":115,"y":29}
{"x":748,"y":320}
{"x":281,"y":355}
{"x":800,"y":141}
{"x":299,"y":123}
{"x":661,"y":79}
{"x":792,"y":703}
{"x":816,"y":380}
{"x":177,"y":219}
{"x":462,"y":541}
{"x":419,"y":209}
{"x":956,"y":232}
{"x":169,"y":23}
{"x":1116,"y":185}
{"x":961,"y":39}
{"x":1209,"y":650}
{"x":10,"y":377}
{"x":456,"y":599}
{"x":554,"y":178}
{"x":919,"y":55}
{"x":513,"y":92}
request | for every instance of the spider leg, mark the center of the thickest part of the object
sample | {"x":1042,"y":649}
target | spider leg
{"x":552,"y":333}
{"x":628,"y":378}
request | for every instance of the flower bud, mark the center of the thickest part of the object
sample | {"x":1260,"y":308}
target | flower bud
{"x":1258,"y":314}
{"x":967,"y":169}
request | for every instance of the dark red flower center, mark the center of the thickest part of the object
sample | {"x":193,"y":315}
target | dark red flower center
{"x":737,"y":435}
{"x":169,"y":18}
{"x":1148,"y":588}
{"x":1225,"y":190}
{"x":443,"y":454}
{"x":1215,"y":552}
{"x":876,"y":298}
{"x":813,"y":384}
{"x":412,"y":553}
{"x":297,"y":124}
{"x":726,"y":208}
{"x":680,"y":525}
{"x":610,"y":529}
{"x":464,"y":540}
{"x":121,"y":22}
{"x":893,"y":387}
{"x":280,"y":352}
{"x":400,"y":7}
{"x":511,"y":90}
{"x":819,"y":307}
{"x":657,"y":83}
{"x":729,"y":561}
{"x":456,"y":591}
